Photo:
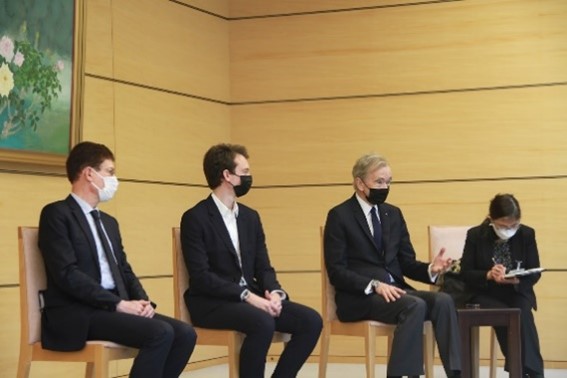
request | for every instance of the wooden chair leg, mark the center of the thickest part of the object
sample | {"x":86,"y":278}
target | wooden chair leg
{"x":428,"y":348}
{"x":24,"y":362}
{"x":90,"y":370}
{"x":370,"y":346}
{"x":493,"y":353}
{"x":101,"y":363}
{"x":324,"y":351}
{"x":234,"y":344}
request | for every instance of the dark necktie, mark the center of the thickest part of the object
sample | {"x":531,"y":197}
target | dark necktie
{"x":118,"y":281}
{"x":377,"y":228}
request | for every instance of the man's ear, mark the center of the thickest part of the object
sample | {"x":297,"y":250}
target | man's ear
{"x":359,"y":184}
{"x":88,"y":173}
{"x":226,"y":175}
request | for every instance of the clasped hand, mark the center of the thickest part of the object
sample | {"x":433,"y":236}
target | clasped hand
{"x":271,"y":303}
{"x":138,"y":307}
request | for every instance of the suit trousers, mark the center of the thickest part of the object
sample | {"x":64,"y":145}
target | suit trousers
{"x":409,"y":312}
{"x":165,"y":343}
{"x":532,"y":360}
{"x":303,"y":323}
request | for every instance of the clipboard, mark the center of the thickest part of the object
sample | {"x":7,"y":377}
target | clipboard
{"x":523,"y":272}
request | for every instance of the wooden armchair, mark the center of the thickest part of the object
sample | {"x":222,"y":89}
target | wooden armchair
{"x":368,"y":329}
{"x":96,"y":354}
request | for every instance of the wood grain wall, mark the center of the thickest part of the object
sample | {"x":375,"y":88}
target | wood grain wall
{"x":466,"y":99}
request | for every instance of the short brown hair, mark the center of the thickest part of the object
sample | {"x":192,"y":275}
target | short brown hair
{"x":218,"y":158}
{"x":86,"y":154}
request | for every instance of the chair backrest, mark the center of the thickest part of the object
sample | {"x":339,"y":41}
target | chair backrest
{"x":329,"y":307}
{"x":180,"y":278}
{"x":452,"y":238}
{"x":32,"y":280}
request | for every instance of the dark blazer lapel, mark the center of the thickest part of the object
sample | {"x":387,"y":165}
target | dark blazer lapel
{"x":516,"y":248}
{"x":83,"y":224}
{"x":220,"y":227}
{"x":241,"y":223}
{"x":361,"y":220}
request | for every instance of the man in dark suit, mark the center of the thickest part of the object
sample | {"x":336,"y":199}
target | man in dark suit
{"x":232,"y":283}
{"x":92,"y":292}
{"x":367,"y":254}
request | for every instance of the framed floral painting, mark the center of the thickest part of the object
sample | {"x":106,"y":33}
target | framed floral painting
{"x":41,"y":80}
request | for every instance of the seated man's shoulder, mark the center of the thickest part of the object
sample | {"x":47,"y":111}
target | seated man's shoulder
{"x":56,"y":206}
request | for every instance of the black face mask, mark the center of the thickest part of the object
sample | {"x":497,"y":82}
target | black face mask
{"x":244,"y":187}
{"x":377,"y":196}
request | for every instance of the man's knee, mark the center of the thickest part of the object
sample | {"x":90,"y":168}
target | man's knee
{"x":313,"y":321}
{"x":188,"y":335}
{"x":444,"y":300}
{"x":416,"y":307}
{"x":264,"y":324}
{"x":160,"y":332}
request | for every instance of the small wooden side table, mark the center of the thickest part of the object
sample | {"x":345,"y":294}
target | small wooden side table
{"x":471,"y":319}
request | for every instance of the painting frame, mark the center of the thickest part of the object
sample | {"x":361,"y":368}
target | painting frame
{"x":29,"y":160}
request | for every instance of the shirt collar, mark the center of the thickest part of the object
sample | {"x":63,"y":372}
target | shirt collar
{"x":224,"y":210}
{"x":85,"y":207}
{"x":364,"y":205}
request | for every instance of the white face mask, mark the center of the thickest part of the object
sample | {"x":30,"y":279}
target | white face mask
{"x":505,"y":233}
{"x":110,"y":187}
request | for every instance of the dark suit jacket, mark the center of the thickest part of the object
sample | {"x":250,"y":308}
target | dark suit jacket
{"x":212,"y":261}
{"x":352,"y":258}
{"x":477,"y":260}
{"x":73,"y":274}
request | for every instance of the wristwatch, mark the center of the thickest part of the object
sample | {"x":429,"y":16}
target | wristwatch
{"x":375,"y":283}
{"x":245,"y":295}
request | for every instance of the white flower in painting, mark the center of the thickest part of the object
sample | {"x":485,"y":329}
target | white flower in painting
{"x":7,"y":48}
{"x":19,"y":59}
{"x":59,"y":66}
{"x":6,"y":80}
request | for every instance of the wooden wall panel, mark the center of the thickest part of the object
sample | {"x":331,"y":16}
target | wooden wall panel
{"x":259,"y":8}
{"x":22,"y":198}
{"x":169,"y":46}
{"x":98,"y":52}
{"x":507,"y":133}
{"x":146,"y":213}
{"x":218,"y":7}
{"x":440,"y":46}
{"x":98,"y":117}
{"x":163,"y":137}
